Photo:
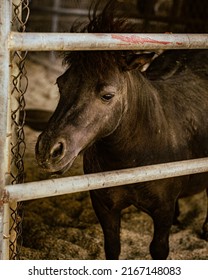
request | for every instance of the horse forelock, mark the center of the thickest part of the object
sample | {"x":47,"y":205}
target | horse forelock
{"x":107,"y":20}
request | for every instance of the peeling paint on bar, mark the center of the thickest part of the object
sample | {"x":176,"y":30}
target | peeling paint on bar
{"x":131,"y":39}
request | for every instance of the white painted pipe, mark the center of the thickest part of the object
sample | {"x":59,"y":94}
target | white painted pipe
{"x":53,"y":187}
{"x":104,"y":41}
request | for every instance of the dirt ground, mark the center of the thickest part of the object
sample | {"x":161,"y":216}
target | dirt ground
{"x":65,"y":227}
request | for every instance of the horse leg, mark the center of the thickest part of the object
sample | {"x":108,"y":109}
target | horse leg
{"x":163,"y":220}
{"x":205,"y":225}
{"x":110,"y":223}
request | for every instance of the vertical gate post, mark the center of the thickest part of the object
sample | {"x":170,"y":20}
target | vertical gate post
{"x":5,"y":25}
{"x":14,"y":118}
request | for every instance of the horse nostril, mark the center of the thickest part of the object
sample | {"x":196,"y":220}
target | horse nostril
{"x":57,"y":151}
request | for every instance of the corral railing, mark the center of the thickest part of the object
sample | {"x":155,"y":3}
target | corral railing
{"x":12,"y":191}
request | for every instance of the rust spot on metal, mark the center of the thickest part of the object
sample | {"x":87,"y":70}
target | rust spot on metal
{"x":131,"y":39}
{"x":4,"y":197}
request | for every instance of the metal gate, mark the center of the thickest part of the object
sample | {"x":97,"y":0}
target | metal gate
{"x":13,"y":84}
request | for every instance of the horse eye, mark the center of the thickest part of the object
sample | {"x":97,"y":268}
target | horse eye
{"x":107,"y":96}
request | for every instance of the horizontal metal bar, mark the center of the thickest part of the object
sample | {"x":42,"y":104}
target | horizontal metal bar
{"x":53,"y":187}
{"x":62,"y":11}
{"x":104,"y":41}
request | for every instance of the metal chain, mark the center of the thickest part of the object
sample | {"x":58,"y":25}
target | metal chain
{"x":21,"y":12}
{"x":19,"y":84}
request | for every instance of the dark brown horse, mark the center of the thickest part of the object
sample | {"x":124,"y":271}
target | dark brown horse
{"x":121,"y":118}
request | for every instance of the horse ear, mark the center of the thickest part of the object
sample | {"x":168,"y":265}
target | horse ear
{"x":140,"y":61}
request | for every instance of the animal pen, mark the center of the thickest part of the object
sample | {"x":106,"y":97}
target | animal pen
{"x":14,"y":44}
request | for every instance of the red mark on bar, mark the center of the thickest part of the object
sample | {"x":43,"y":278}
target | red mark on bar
{"x":131,"y":39}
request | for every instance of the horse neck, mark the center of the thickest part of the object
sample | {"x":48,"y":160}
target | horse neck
{"x":143,"y":118}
